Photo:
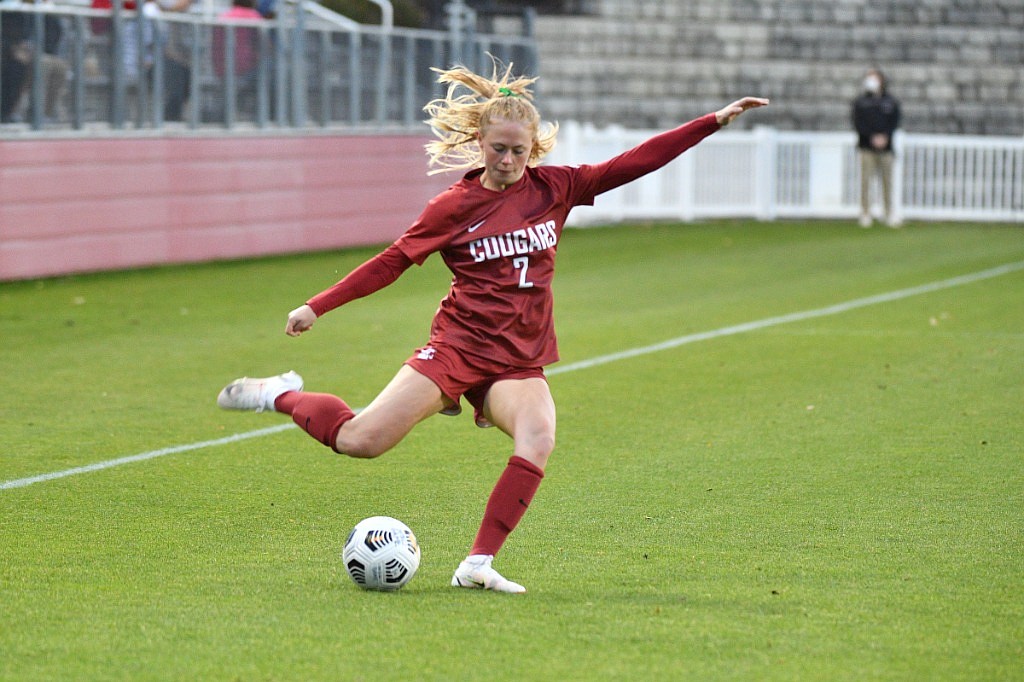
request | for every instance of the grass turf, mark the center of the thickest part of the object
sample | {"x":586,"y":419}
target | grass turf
{"x":838,"y":498}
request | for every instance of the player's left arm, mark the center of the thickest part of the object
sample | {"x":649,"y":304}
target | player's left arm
{"x":728,"y":114}
{"x":659,"y":150}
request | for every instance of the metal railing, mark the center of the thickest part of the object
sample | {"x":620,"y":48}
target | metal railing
{"x":766,"y":174}
{"x":307,"y":67}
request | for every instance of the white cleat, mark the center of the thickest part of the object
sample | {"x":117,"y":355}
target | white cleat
{"x":257,"y":394}
{"x":476,"y":573}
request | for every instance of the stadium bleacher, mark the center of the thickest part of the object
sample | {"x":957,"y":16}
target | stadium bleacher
{"x":956,"y":66}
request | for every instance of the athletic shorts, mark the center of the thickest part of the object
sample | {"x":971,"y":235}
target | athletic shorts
{"x":458,"y":374}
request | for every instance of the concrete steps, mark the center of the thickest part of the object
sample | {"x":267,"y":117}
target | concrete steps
{"x":956,"y":65}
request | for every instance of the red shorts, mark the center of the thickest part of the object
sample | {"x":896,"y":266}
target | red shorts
{"x":458,"y":374}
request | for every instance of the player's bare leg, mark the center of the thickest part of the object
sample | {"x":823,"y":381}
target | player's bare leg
{"x":407,"y":400}
{"x":524,"y":410}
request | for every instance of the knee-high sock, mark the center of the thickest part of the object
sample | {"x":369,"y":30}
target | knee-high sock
{"x":321,"y":415}
{"x":508,"y":502}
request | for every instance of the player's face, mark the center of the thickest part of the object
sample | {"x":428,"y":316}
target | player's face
{"x":506,"y":147}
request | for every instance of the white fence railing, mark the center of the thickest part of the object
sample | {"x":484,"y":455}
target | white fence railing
{"x":768,"y":174}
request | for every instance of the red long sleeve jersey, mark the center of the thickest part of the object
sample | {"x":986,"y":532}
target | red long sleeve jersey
{"x":501,"y":248}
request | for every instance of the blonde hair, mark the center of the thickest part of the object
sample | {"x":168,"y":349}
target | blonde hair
{"x":458,"y":118}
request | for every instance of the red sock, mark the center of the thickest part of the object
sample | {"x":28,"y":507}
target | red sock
{"x":508,"y":502}
{"x":321,"y":415}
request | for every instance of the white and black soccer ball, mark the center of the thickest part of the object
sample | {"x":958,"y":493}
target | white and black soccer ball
{"x":381,"y":553}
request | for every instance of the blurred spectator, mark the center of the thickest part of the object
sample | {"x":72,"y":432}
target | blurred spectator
{"x":177,"y":62}
{"x":141,"y":36}
{"x":247,"y":51}
{"x":54,"y":70}
{"x":101,"y":26}
{"x":876,"y":115}
{"x":174,"y":38}
{"x":15,"y":60}
{"x":267,"y":8}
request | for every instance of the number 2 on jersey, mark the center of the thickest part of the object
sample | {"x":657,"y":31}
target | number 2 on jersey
{"x":523,"y":264}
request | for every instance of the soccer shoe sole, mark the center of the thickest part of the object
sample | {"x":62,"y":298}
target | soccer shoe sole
{"x":253,"y":394}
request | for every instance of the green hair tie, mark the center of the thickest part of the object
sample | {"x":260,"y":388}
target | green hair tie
{"x":505,"y":92}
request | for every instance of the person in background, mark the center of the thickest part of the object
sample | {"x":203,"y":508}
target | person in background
{"x":246,"y":41}
{"x":876,"y":116}
{"x":267,"y":8}
{"x":55,"y":70}
{"x":246,"y":51}
{"x":177,"y":62}
{"x":15,"y":61}
{"x":138,"y":53}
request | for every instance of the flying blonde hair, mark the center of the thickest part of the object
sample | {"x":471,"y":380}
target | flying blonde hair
{"x":458,"y":117}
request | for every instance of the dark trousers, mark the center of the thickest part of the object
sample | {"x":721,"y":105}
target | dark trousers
{"x":177,"y":81}
{"x":12,"y":78}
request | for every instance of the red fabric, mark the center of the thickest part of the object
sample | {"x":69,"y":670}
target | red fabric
{"x":246,"y":42}
{"x":508,"y":502}
{"x":653,"y":153}
{"x":319,"y":414}
{"x":458,"y":374}
{"x":500,"y":248}
{"x":108,"y":4}
{"x":101,"y":26}
{"x":373,"y":275}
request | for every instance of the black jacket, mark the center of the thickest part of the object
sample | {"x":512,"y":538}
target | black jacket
{"x":875,"y":114}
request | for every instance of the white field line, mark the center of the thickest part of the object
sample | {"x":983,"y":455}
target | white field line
{"x":107,"y":464}
{"x":574,"y":366}
{"x":791,"y":317}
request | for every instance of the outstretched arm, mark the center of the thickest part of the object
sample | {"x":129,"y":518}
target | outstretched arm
{"x":373,"y":275}
{"x":728,"y":114}
{"x":659,"y":150}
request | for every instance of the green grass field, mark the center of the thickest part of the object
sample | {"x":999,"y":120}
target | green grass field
{"x":839,"y":497}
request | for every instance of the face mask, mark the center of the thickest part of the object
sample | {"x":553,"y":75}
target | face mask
{"x":873,"y":84}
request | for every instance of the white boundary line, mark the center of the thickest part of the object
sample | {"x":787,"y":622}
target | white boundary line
{"x":792,"y":317}
{"x":98,"y":466}
{"x":575,"y":366}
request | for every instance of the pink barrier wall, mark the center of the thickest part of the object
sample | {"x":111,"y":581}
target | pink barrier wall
{"x":71,"y":206}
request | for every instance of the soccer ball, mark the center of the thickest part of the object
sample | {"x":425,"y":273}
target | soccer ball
{"x":381,"y":553}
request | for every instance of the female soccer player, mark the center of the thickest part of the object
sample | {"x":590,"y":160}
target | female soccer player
{"x":497,"y":230}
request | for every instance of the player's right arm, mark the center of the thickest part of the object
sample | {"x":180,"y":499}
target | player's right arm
{"x":373,"y":275}
{"x":300,"y":320}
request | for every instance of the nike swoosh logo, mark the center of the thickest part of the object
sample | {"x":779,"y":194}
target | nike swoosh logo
{"x":474,"y":228}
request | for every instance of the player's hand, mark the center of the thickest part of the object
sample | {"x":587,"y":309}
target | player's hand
{"x":300,"y":320}
{"x":728,"y":114}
